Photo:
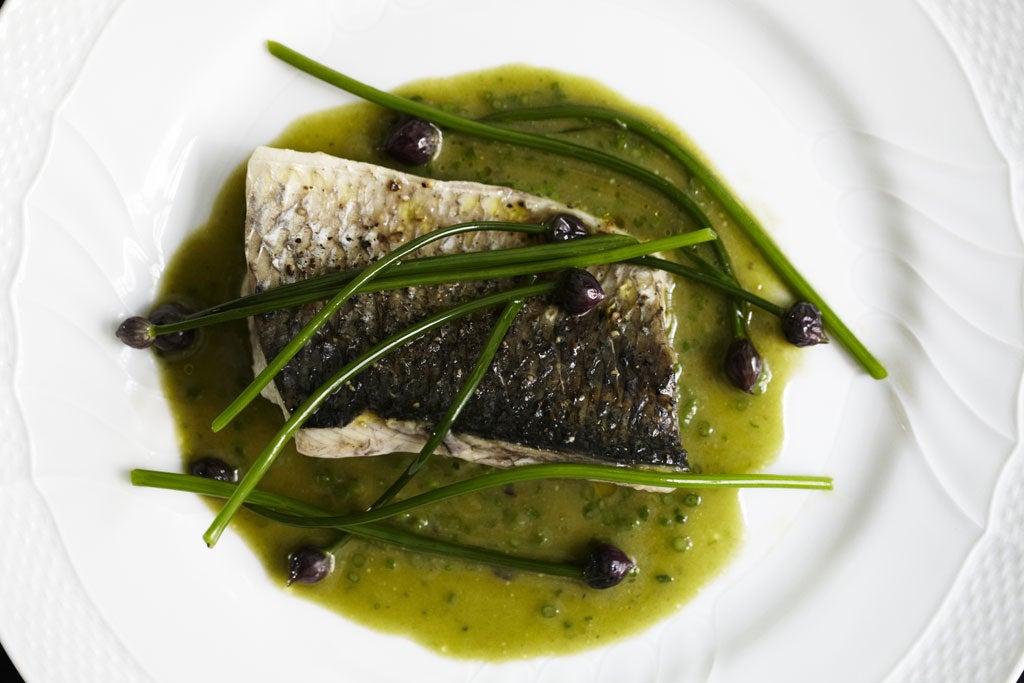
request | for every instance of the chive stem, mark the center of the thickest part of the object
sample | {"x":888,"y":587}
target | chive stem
{"x":470,"y":553}
{"x":302,"y":514}
{"x":544,"y":143}
{"x":488,"y":132}
{"x":299,"y":416}
{"x":480,"y":368}
{"x":444,"y":425}
{"x":402,"y":274}
{"x":278,"y":507}
{"x":738,"y":211}
{"x":605,"y":473}
{"x":294,"y":345}
{"x":451,"y":268}
{"x":712,"y":280}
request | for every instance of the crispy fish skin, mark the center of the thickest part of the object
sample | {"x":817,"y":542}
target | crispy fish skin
{"x":594,"y":388}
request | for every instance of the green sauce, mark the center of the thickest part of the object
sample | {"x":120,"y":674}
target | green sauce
{"x":680,"y":540}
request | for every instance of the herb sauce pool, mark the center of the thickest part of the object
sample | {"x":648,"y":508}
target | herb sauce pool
{"x":679,"y":540}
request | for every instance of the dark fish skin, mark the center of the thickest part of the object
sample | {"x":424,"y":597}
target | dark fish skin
{"x":599,"y":387}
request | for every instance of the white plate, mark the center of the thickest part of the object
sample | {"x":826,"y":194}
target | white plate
{"x":883,"y":143}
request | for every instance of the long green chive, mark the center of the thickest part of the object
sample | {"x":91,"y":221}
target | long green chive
{"x":514,"y":137}
{"x":270,"y":452}
{"x":274,"y":506}
{"x":613,"y":254}
{"x":457,"y":267}
{"x":305,"y":515}
{"x":295,"y":344}
{"x":450,"y":268}
{"x":771,"y":251}
{"x":606,"y":473}
{"x":712,"y":280}
{"x":460,"y":266}
{"x":487,"y":131}
{"x":275,"y":365}
{"x":469,"y":553}
{"x":736,"y":210}
{"x":444,"y":425}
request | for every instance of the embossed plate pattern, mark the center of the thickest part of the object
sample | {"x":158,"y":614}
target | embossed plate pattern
{"x":882,"y":142}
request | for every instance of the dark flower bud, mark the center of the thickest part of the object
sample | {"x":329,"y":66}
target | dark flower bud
{"x":136,"y":332}
{"x":579,"y":291}
{"x":606,"y":566}
{"x":309,"y":564}
{"x":567,"y":226}
{"x":743,"y":364}
{"x":413,"y":142}
{"x":213,"y":468}
{"x":802,"y":325}
{"x":165,"y":314}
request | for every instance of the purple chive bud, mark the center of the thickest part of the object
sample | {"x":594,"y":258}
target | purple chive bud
{"x":136,"y":332}
{"x":567,"y":226}
{"x":213,"y":468}
{"x":165,"y":314}
{"x":743,"y":364}
{"x":606,"y":566}
{"x":309,"y":564}
{"x":802,"y":325}
{"x":579,"y":291}
{"x":413,"y":142}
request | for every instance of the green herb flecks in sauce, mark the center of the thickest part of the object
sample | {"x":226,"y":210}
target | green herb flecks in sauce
{"x":679,"y":540}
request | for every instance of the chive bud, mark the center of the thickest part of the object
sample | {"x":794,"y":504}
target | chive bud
{"x":165,"y":314}
{"x":579,"y":291}
{"x":802,"y":325}
{"x":136,"y":332}
{"x":309,"y":564}
{"x":413,"y":142}
{"x":213,"y":468}
{"x":743,"y":364}
{"x":606,"y":566}
{"x":567,"y":226}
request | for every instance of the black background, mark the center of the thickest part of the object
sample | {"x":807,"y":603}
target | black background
{"x":8,"y":673}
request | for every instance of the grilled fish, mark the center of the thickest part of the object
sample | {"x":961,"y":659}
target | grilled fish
{"x":600,"y":387}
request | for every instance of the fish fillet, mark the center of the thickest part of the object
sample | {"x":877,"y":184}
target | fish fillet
{"x":595,"y":388}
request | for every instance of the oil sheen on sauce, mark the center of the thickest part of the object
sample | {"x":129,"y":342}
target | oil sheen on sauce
{"x":680,"y":541}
